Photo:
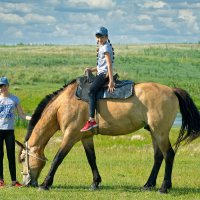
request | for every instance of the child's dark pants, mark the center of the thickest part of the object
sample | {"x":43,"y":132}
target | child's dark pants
{"x":97,"y":84}
{"x":9,"y":137}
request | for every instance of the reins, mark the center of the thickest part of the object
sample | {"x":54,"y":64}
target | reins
{"x":30,"y":154}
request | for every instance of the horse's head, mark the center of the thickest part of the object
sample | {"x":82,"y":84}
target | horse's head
{"x":33,"y":162}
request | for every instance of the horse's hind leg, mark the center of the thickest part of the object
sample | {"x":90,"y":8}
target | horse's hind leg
{"x":168,"y":154}
{"x":169,"y":160}
{"x":158,"y":158}
{"x":90,"y":153}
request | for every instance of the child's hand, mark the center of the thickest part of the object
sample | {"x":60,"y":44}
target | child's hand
{"x":111,"y":86}
{"x":86,"y":70}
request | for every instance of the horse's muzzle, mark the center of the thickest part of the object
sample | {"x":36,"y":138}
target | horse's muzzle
{"x":27,"y":181}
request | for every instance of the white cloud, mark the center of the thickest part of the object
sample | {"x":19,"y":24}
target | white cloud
{"x":116,"y":16}
{"x":61,"y":31}
{"x":72,"y":31}
{"x":187,"y":15}
{"x":138,"y":27}
{"x":36,"y":18}
{"x":169,"y":22}
{"x":190,"y":5}
{"x":190,"y":20}
{"x":126,"y":39}
{"x":117,"y":12}
{"x":53,"y":2}
{"x":11,"y":19}
{"x":144,"y":17}
{"x":15,"y":7}
{"x":106,"y":4}
{"x":155,"y":4}
{"x":29,"y":18}
{"x":88,"y":18}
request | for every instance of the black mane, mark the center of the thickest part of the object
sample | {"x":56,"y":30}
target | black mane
{"x":40,"y":108}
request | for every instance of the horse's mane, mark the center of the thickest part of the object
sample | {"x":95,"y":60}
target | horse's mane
{"x":40,"y":108}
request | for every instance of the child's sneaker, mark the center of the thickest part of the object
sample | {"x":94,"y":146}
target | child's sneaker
{"x":2,"y":184}
{"x":89,"y":125}
{"x":17,"y":184}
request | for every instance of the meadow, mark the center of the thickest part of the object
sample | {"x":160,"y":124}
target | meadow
{"x":124,"y":162}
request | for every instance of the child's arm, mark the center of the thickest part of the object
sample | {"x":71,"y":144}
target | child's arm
{"x":111,"y":85}
{"x":93,"y":69}
{"x":21,"y":113}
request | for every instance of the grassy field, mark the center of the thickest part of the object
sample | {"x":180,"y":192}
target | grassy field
{"x":124,"y":162}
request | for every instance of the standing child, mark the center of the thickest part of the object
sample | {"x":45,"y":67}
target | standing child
{"x":8,"y":104}
{"x":104,"y":69}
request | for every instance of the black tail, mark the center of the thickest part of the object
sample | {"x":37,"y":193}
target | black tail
{"x":190,"y":128}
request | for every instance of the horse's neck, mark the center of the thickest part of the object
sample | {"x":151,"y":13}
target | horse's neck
{"x":48,"y":124}
{"x":44,"y":130}
{"x":39,"y":141}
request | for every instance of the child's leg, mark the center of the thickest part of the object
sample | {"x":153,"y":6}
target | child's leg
{"x":10,"y":146}
{"x":1,"y":155}
{"x":95,"y":87}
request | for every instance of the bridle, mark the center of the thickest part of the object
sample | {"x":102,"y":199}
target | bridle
{"x":27,"y":154}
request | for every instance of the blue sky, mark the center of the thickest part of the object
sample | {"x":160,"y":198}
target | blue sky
{"x":75,"y":21}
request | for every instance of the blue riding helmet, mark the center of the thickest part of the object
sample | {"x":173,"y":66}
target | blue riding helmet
{"x":102,"y":31}
{"x":4,"y":81}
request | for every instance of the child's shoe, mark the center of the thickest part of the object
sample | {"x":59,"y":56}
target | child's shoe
{"x":17,"y":184}
{"x":2,"y":184}
{"x":89,"y":125}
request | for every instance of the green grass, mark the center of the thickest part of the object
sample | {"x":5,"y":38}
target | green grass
{"x":124,"y":165}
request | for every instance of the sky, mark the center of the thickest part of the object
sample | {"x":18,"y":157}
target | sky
{"x":75,"y":21}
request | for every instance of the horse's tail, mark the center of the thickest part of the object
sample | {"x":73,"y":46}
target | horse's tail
{"x":190,"y":128}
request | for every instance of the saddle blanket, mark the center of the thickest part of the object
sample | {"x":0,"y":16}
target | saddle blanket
{"x":123,"y":90}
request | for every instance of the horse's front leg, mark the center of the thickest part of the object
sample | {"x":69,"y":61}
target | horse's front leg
{"x":66,"y":146}
{"x":88,"y":145}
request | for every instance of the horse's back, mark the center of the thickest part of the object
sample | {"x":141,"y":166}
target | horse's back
{"x":152,"y":103}
{"x":155,"y":95}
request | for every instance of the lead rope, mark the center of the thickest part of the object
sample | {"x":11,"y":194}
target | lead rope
{"x":27,"y":160}
{"x":27,"y":164}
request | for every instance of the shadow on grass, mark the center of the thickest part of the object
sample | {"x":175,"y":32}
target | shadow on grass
{"x":101,"y":188}
{"x":175,"y":191}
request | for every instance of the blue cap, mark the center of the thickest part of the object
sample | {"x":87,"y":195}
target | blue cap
{"x":4,"y":81}
{"x":102,"y":31}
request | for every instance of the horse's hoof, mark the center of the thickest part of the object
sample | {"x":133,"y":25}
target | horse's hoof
{"x":43,"y":188}
{"x":163,"y":191}
{"x":166,"y":186}
{"x":148,"y":187}
{"x":94,"y":187}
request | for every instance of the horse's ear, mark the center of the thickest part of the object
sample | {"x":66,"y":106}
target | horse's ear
{"x":20,"y":144}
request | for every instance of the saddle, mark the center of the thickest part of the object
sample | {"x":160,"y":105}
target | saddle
{"x":123,"y":88}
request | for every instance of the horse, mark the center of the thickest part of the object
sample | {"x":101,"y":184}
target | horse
{"x":153,"y":106}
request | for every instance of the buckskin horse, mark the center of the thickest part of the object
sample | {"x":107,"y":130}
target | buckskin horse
{"x":153,"y":107}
